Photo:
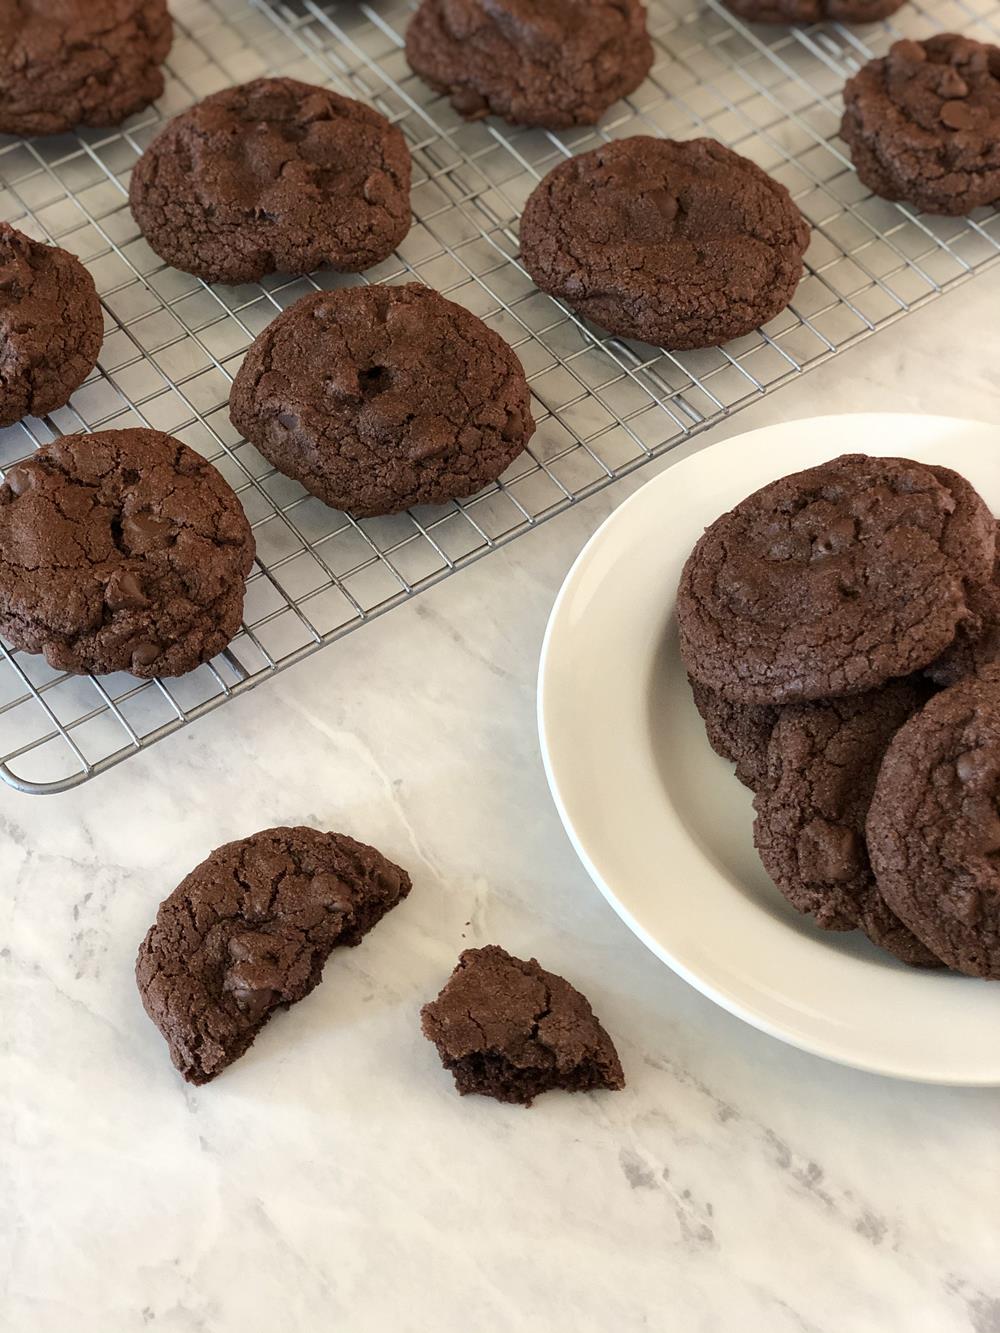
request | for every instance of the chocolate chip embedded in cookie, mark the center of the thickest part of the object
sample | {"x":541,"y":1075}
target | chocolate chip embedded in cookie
{"x":379,"y":398}
{"x":737,"y":732}
{"x":274,"y":176}
{"x":814,"y":11}
{"x":554,"y":64}
{"x":508,"y":1029}
{"x":51,"y":326}
{"x":121,"y":551}
{"x":79,"y":62}
{"x":923,"y":123}
{"x":248,"y":932}
{"x":680,"y":244}
{"x":833,"y":580}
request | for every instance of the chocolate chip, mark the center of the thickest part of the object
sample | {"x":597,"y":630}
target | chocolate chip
{"x":145,"y":654}
{"x":22,"y":477}
{"x":829,"y":852}
{"x":124,"y":591}
{"x":144,"y":531}
{"x":958,"y":115}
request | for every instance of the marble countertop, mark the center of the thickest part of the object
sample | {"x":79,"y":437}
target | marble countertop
{"x":332,"y":1179}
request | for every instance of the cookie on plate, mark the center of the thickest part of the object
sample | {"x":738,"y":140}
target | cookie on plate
{"x":554,"y":65}
{"x":378,"y":398}
{"x":274,"y":176}
{"x":834,"y":580}
{"x":737,"y":732}
{"x":923,"y":123}
{"x":51,"y":326}
{"x":934,"y":829}
{"x":508,"y":1029}
{"x":977,"y":639}
{"x":814,"y":11}
{"x":79,"y":62}
{"x":121,"y":551}
{"x":679,"y":244}
{"x":248,"y":932}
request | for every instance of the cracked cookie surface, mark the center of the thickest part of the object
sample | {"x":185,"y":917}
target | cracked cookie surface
{"x":508,"y":1029}
{"x":378,"y":398}
{"x":678,"y":244}
{"x":552,"y":64}
{"x":51,"y":326}
{"x":273,"y":176}
{"x":248,"y":932}
{"x":813,"y":11}
{"x":121,"y":551}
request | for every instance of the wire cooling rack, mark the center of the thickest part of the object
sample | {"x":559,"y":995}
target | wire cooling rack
{"x":604,"y":406}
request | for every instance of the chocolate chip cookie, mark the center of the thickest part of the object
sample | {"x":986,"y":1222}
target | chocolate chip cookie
{"x":51,"y":326}
{"x":822,"y":763}
{"x":379,"y":398}
{"x":833,"y":581}
{"x":274,"y":176}
{"x":737,"y":732}
{"x":121,"y":551}
{"x":814,"y":11}
{"x":933,"y":827}
{"x":679,"y":244}
{"x":923,"y":123}
{"x":552,"y":64}
{"x":79,"y":62}
{"x":508,"y":1029}
{"x":248,"y":932}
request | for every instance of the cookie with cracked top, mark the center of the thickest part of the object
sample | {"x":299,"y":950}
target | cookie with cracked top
{"x":678,"y":244}
{"x":274,"y":176}
{"x":551,"y":63}
{"x":923,"y":123}
{"x":508,"y":1029}
{"x":814,"y":11}
{"x":51,"y":326}
{"x":834,"y":580}
{"x":121,"y":551}
{"x":248,"y":931}
{"x":379,"y":398}
{"x":737,"y":732}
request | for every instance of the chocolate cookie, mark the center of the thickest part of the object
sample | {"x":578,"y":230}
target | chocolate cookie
{"x":833,"y":580}
{"x":737,"y":732}
{"x":977,"y":639}
{"x":923,"y":123}
{"x":822,"y":763}
{"x":510,"y":1030}
{"x":379,"y":398}
{"x":248,"y":932}
{"x":933,"y":827}
{"x":51,"y":326}
{"x":679,"y":244}
{"x":121,"y":551}
{"x":274,"y":176}
{"x":555,"y":64}
{"x":813,"y":11}
{"x":79,"y":62}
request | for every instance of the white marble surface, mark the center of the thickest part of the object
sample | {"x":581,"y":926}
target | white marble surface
{"x":332,"y":1179}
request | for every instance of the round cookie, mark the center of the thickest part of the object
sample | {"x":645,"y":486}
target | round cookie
{"x":813,"y":11}
{"x":833,"y":580}
{"x":51,"y":326}
{"x":555,"y":64}
{"x":65,"y":63}
{"x":822,"y":762}
{"x":933,"y":827}
{"x":678,"y":244}
{"x":274,"y":176}
{"x":121,"y":551}
{"x":379,"y":398}
{"x":737,"y":732}
{"x":923,"y":124}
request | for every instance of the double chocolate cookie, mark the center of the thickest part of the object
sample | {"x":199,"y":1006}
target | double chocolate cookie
{"x":553,"y":64}
{"x":679,"y":244}
{"x":248,"y":932}
{"x":977,"y":639}
{"x":51,"y":326}
{"x":379,"y":398}
{"x":814,"y":11}
{"x":923,"y":123}
{"x":737,"y":732}
{"x":121,"y":551}
{"x":79,"y":62}
{"x":273,"y":176}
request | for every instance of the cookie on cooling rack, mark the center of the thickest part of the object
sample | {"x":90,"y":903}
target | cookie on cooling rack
{"x":813,"y":11}
{"x":378,"y":398}
{"x":79,"y":62}
{"x":923,"y":124}
{"x":274,"y":176}
{"x":121,"y":551}
{"x":554,"y":65}
{"x":680,"y":244}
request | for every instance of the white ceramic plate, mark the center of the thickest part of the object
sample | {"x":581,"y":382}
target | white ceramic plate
{"x":660,"y":822}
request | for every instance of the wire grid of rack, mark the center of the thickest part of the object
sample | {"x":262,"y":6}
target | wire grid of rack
{"x":604,"y":406}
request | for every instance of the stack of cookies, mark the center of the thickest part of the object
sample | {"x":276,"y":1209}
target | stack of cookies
{"x":841,"y":630}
